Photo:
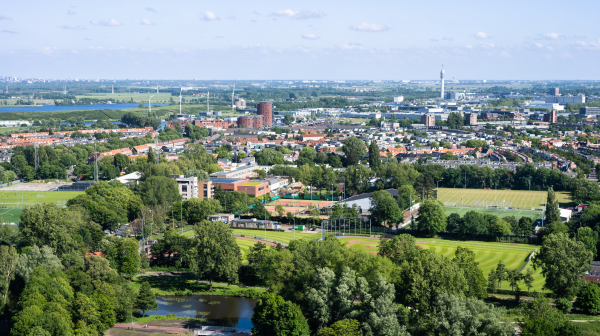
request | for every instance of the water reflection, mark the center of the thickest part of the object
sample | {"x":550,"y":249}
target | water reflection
{"x":218,"y":310}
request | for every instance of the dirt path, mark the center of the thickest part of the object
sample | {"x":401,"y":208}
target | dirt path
{"x":172,"y":327}
{"x":167,"y":274}
{"x":252,"y":239}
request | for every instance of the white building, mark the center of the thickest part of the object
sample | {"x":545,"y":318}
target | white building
{"x":398,"y":99}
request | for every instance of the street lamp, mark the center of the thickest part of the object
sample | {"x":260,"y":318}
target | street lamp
{"x":295,"y":228}
{"x":437,"y":189}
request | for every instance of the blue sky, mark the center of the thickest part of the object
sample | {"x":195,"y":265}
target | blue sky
{"x":300,"y":39}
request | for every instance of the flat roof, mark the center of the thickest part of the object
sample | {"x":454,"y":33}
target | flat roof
{"x":226,"y":180}
{"x":252,"y":184}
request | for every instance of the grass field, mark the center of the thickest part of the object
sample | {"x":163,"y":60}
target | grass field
{"x":496,"y":212}
{"x":11,"y":197}
{"x":519,"y":198}
{"x":487,"y":254}
{"x":10,"y":215}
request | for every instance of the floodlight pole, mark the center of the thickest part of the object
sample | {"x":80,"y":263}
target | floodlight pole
{"x":149,"y":106}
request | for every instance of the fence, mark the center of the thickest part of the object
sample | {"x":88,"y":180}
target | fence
{"x":266,"y":239}
{"x":10,"y":183}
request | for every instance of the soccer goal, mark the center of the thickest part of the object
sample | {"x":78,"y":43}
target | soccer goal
{"x":450,"y":204}
{"x":491,"y":207}
{"x":63,"y":202}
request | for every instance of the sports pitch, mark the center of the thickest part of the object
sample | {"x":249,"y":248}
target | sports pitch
{"x":534,"y":215}
{"x":487,"y":254}
{"x":504,"y":198}
{"x":11,"y":197}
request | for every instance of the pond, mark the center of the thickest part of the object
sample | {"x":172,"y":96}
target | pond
{"x":226,"y":311}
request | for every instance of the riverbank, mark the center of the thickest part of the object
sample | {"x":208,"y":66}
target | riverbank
{"x":188,"y":285}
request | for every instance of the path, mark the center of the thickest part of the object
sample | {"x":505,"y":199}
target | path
{"x":173,"y":330}
{"x":168,"y":274}
{"x":260,"y":240}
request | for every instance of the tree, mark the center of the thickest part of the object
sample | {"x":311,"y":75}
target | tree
{"x":121,"y":161}
{"x":342,"y":328}
{"x":214,"y":252}
{"x":525,"y":227}
{"x":159,"y":190}
{"x":455,"y":120}
{"x":589,"y":238}
{"x":145,"y":300}
{"x":498,"y":227}
{"x":384,"y":207}
{"x":84,"y":310}
{"x":273,"y":316}
{"x":432,"y":217}
{"x":468,"y":316}
{"x":540,"y":318}
{"x":589,"y":298}
{"x":288,"y":119}
{"x":552,"y":211}
{"x":280,"y":210}
{"x":465,"y":258}
{"x":259,"y":211}
{"x":151,"y":155}
{"x":374,"y":157}
{"x":8,"y":263}
{"x":563,"y":262}
{"x":424,"y":186}
{"x":129,"y":258}
{"x":36,"y":257}
{"x":354,"y":149}
{"x":198,"y":210}
{"x":402,"y":247}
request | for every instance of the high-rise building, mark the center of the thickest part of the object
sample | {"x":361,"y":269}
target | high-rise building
{"x":258,"y":121}
{"x":472,"y":118}
{"x":554,"y":91}
{"x":442,"y":75}
{"x":550,"y":117}
{"x":245,"y":122}
{"x":428,"y":120}
{"x":398,"y":99}
{"x":265,"y":109}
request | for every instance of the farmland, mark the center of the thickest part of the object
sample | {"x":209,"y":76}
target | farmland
{"x":509,"y":198}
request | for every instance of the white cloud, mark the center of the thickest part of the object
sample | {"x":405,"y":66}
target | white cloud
{"x":3,"y":17}
{"x":210,"y":16}
{"x":352,"y":46}
{"x":539,"y":45}
{"x":446,"y":38}
{"x":468,"y":46}
{"x":434,"y":40}
{"x":8,"y":31}
{"x":481,"y":35}
{"x":111,"y":22}
{"x":71,"y":12}
{"x":150,"y":9}
{"x":310,"y":37}
{"x":552,"y":36}
{"x":587,"y":45}
{"x":369,"y":27}
{"x":486,"y":45}
{"x":80,"y":27}
{"x":292,"y":14}
{"x":146,"y":22}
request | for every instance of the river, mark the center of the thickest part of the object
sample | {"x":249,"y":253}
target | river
{"x":226,"y":311}
{"x":55,"y":108}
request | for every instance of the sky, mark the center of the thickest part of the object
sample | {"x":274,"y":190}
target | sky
{"x":329,"y":40}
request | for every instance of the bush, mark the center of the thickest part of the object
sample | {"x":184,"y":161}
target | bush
{"x":564,"y":305}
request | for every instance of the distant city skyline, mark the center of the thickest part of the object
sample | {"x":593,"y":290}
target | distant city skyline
{"x":388,"y":40}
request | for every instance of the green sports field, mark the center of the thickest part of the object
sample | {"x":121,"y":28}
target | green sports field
{"x":33,"y":197}
{"x":10,"y":215}
{"x":487,"y":254}
{"x":496,"y":212}
{"x":518,"y":198}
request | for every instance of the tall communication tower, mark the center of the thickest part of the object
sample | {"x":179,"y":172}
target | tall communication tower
{"x":442,"y":75}
{"x":232,"y":94}
{"x":207,"y":101}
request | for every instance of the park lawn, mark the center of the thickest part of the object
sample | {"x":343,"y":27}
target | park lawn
{"x":486,"y":254}
{"x":165,"y":285}
{"x":519,"y":198}
{"x":34,"y":197}
{"x":534,"y":215}
{"x":283,"y":237}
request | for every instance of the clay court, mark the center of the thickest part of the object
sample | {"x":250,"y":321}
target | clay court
{"x":296,"y":206}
